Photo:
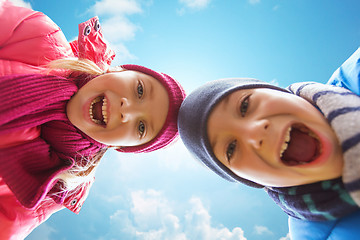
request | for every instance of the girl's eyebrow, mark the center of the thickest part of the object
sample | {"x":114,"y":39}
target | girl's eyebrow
{"x":151,"y":127}
{"x":151,"y":89}
{"x":149,"y":96}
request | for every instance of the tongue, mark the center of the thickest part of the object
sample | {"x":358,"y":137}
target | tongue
{"x":97,"y":111}
{"x":301,"y":148}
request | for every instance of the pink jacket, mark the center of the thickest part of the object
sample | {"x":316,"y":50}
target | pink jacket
{"x":28,"y":41}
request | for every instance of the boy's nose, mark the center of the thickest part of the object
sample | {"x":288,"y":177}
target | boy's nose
{"x":255,"y":132}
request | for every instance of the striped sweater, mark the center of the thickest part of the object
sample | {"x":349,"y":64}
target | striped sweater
{"x":335,"y":198}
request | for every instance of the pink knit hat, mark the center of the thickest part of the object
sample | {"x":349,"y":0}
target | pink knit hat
{"x":169,"y":131}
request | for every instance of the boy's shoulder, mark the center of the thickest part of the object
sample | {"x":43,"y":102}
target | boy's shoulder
{"x":343,"y":228}
{"x":348,"y":74}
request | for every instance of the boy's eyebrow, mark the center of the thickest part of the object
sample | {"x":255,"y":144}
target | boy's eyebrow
{"x":212,"y":143}
{"x":223,"y":104}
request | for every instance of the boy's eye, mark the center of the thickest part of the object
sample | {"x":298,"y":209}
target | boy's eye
{"x":140,"y":89}
{"x":230,"y":150}
{"x":141,"y":129}
{"x":244,"y":106}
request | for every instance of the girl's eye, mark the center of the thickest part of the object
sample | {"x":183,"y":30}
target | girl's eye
{"x":244,"y":106}
{"x":230,"y":150}
{"x":141,"y":129}
{"x":140,"y":89}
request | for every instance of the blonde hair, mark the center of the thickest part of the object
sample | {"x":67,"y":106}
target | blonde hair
{"x":69,"y":66}
{"x":83,"y":171}
{"x":84,"y":168}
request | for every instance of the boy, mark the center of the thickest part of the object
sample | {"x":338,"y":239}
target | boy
{"x":300,"y":144}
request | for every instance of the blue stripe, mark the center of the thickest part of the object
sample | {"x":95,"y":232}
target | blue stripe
{"x":290,"y":88}
{"x":322,"y":93}
{"x":301,"y":87}
{"x":350,"y":142}
{"x":341,"y":111}
{"x":283,"y":203}
{"x":292,"y":191}
{"x":312,"y":208}
{"x":344,"y":195}
{"x":326,"y":185}
{"x":353,"y":186}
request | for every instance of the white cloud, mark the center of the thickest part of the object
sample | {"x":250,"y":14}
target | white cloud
{"x":254,"y":1}
{"x":175,"y":158}
{"x":123,"y":55}
{"x":42,"y":232}
{"x":192,"y":5}
{"x":116,"y":7}
{"x":287,"y":237}
{"x":21,"y":3}
{"x":198,"y":221}
{"x":117,"y":28}
{"x":274,"y":82}
{"x":195,"y":4}
{"x":148,"y":208}
{"x":262,"y":230}
{"x":152,"y":216}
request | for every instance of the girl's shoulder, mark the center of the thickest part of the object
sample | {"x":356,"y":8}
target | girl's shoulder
{"x":25,"y":29}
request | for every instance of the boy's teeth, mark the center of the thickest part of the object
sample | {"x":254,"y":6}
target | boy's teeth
{"x":303,"y":129}
{"x":286,"y":141}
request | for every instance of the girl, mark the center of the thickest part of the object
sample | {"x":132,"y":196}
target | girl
{"x":300,"y":144}
{"x":55,"y":127}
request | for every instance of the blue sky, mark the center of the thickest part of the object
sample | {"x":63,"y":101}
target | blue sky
{"x":167,"y":194}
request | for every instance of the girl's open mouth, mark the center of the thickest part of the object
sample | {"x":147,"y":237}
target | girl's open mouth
{"x":301,"y":146}
{"x":98,"y":110}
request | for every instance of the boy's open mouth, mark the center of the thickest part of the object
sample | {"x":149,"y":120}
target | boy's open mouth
{"x":98,"y":110}
{"x":301,"y":146}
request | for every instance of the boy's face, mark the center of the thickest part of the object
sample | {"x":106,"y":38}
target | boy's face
{"x":125,"y":108}
{"x":274,"y":138}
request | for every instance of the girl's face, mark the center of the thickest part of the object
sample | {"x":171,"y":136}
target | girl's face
{"x":125,"y":108}
{"x":274,"y":138}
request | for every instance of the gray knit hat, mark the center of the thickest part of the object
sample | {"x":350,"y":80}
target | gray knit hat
{"x":193,"y":118}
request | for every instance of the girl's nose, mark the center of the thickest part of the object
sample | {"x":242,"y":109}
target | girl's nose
{"x":256,"y":132}
{"x":128,"y":110}
{"x":124,"y":110}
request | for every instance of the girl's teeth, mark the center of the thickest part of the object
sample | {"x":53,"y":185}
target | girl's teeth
{"x":286,"y":141}
{"x":104,"y":112}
